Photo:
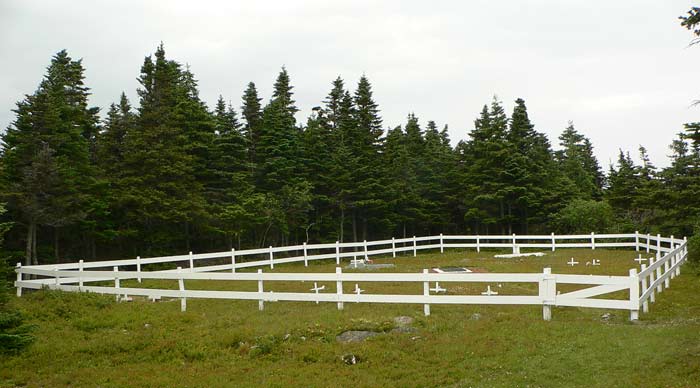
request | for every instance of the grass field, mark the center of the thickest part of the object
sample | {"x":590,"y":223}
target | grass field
{"x":85,"y":340}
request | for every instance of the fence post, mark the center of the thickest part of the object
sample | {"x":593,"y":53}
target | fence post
{"x":138,"y":269}
{"x":306,"y":256}
{"x":191,"y":262}
{"x":426,"y":293}
{"x":233,"y":260}
{"x":515,"y":245}
{"x":365,"y":245}
{"x":261,"y":302}
{"x":554,"y":244}
{"x":667,"y":267}
{"x":593,"y":241}
{"x":548,"y":293}
{"x":478,"y":245}
{"x":57,"y":281}
{"x":442,"y":245}
{"x":272,"y":263}
{"x":339,"y":286}
{"x":645,"y":304}
{"x":393,"y":247}
{"x":337,"y":253}
{"x":116,"y":282}
{"x":414,"y":246}
{"x":19,"y":279}
{"x":636,"y":240}
{"x":674,"y":257}
{"x":660,"y":287}
{"x":80,"y":274}
{"x":652,"y":277}
{"x":648,"y":241}
{"x":634,"y":295}
{"x":658,"y":243}
{"x":181,"y":283}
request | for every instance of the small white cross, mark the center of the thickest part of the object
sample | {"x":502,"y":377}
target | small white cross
{"x":358,"y":291}
{"x":489,"y":292}
{"x":640,"y":259}
{"x":595,"y":262}
{"x":438,"y":289}
{"x":572,"y":262}
{"x":317,"y":289}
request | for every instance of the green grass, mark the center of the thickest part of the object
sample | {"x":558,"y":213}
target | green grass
{"x":85,"y":340}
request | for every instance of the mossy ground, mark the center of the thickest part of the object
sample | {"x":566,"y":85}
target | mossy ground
{"x":85,"y":340}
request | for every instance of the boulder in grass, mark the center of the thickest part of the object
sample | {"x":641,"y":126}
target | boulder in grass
{"x":403,"y":320}
{"x":355,"y":336}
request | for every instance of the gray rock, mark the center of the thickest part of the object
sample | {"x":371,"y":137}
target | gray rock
{"x":355,"y":336}
{"x":403,"y":320}
{"x":475,"y":317}
{"x":404,"y":329}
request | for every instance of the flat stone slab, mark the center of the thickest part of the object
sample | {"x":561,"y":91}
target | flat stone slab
{"x":512,"y":255}
{"x":369,"y":267}
{"x":355,"y":336}
{"x":403,"y":320}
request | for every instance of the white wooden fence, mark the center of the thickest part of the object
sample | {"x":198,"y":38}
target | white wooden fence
{"x":670,"y":254}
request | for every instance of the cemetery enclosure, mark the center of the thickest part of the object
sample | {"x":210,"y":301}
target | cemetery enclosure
{"x":641,"y":286}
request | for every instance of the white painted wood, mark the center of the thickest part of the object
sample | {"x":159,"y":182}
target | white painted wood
{"x":659,"y":274}
{"x":593,"y":241}
{"x":272,"y":260}
{"x":181,"y":285}
{"x":426,"y":293}
{"x":138,"y":267}
{"x":80,"y":276}
{"x":645,"y":303}
{"x":233,"y":260}
{"x":636,"y":240}
{"x":339,"y":287}
{"x":116,"y":282}
{"x":634,"y":295}
{"x":594,"y":291}
{"x":191,"y":262}
{"x":648,"y":242}
{"x":337,"y":253}
{"x":414,"y":246}
{"x":18,"y":283}
{"x":478,"y":246}
{"x":261,"y":293}
{"x":442,"y":244}
{"x":393,"y":247}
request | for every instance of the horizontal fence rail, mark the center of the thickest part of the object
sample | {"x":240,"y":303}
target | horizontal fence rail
{"x":642,"y":286}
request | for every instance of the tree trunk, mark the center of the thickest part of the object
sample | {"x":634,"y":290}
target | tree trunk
{"x":55,"y":245}
{"x":342,"y":223}
{"x":35,"y":255}
{"x":187,"y":236}
{"x":30,"y":243}
{"x":354,"y":225}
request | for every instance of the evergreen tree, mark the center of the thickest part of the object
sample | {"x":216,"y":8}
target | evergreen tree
{"x":47,"y":170}
{"x":252,"y":114}
{"x":161,"y":195}
{"x":577,"y":162}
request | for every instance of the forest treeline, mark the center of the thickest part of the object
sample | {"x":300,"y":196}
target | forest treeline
{"x":168,"y":174}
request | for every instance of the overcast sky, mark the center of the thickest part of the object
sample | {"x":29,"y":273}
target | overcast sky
{"x":621,"y":70}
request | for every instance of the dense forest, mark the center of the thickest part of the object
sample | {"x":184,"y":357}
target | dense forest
{"x":170,"y":174}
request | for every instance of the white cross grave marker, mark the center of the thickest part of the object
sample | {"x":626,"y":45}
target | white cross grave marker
{"x":640,"y":259}
{"x":596,"y":262}
{"x":316,"y":289}
{"x":488,"y":291}
{"x":572,"y":262}
{"x":438,"y":289}
{"x":358,"y":291}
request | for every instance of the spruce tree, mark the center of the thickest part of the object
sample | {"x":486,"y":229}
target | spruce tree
{"x":47,"y":171}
